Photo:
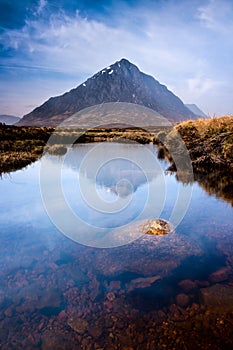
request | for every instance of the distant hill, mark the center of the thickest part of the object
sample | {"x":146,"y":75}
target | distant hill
{"x":120,"y":82}
{"x":8,"y":119}
{"x":196,"y":110}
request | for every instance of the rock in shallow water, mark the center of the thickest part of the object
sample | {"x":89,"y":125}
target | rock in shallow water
{"x":219,"y":297}
{"x":182,"y":299}
{"x":220,"y":275}
{"x":52,"y":299}
{"x":155,"y":227}
{"x":52,"y":341}
{"x":78,"y":325}
{"x":142,"y":282}
{"x":187,"y":285}
{"x":95,"y":331}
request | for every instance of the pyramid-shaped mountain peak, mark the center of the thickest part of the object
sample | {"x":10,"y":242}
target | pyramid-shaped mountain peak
{"x":119,"y":82}
{"x":120,"y":67}
{"x":124,"y":63}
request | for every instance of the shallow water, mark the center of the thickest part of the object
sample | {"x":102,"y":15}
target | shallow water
{"x":109,"y":286}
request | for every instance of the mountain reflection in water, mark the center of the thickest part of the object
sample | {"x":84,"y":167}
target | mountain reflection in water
{"x":173,"y":291}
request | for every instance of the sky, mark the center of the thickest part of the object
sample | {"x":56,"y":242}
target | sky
{"x":48,"y":47}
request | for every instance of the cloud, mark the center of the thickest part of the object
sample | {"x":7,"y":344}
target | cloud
{"x":64,"y":43}
{"x":200,"y":85}
{"x":217,"y":15}
{"x":41,"y":6}
{"x":71,"y":43}
{"x":169,"y":40}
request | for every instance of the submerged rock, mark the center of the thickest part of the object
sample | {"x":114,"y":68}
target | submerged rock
{"x":95,"y":331}
{"x":94,"y":288}
{"x":51,"y":299}
{"x":218,"y":297}
{"x":187,"y":285}
{"x":220,"y":275}
{"x":141,"y":282}
{"x":51,"y":341}
{"x":155,"y":227}
{"x":114,"y":285}
{"x":78,"y":325}
{"x":182,"y":299}
{"x":110,"y":296}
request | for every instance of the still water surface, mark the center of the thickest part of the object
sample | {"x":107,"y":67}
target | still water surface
{"x":142,"y":292}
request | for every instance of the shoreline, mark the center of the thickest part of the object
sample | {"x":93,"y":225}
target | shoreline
{"x":208,"y":141}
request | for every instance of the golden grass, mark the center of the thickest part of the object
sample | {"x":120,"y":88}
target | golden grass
{"x":209,"y":141}
{"x":209,"y":126}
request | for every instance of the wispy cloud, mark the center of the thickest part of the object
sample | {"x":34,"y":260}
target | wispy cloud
{"x":41,"y":6}
{"x":77,"y":43}
{"x":217,"y":15}
{"x":185,"y":45}
{"x":200,"y":85}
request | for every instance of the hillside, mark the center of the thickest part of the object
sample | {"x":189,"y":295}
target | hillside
{"x":120,"y":82}
{"x":8,"y":119}
{"x":196,"y":110}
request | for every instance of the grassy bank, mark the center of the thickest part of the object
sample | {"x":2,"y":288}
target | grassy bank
{"x":20,"y":146}
{"x":209,"y":142}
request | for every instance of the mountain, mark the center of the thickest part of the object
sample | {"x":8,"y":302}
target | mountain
{"x":120,"y":82}
{"x":196,"y":110}
{"x":8,"y":119}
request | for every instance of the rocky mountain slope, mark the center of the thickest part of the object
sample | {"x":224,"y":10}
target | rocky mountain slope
{"x":196,"y":110}
{"x":120,"y":82}
{"x":8,"y":119}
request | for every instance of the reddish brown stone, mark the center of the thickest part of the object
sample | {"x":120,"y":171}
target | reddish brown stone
{"x":94,"y":287}
{"x":62,"y":316}
{"x":110,"y":296}
{"x":115,"y":285}
{"x":108,"y":304}
{"x":218,"y":297}
{"x":182,"y":299}
{"x":95,"y":332}
{"x":173,"y":309}
{"x":78,"y":325}
{"x":142,"y":282}
{"x":220,"y":275}
{"x":8,"y":312}
{"x":202,"y":283}
{"x":187,"y":285}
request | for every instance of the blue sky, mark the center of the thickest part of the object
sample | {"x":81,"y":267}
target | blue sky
{"x":48,"y":47}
